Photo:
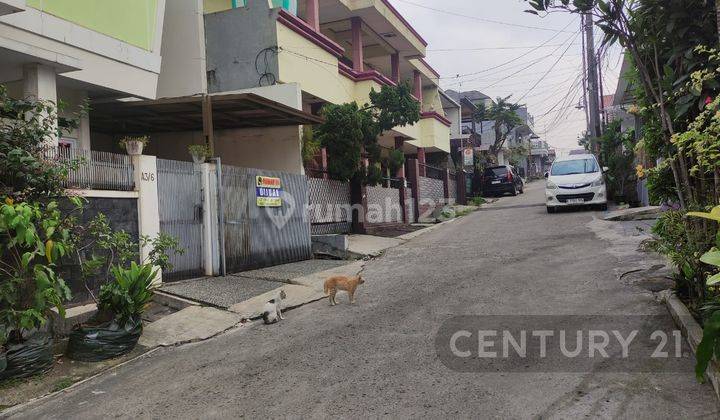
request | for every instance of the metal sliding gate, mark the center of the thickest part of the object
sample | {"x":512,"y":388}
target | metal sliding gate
{"x":257,"y":236}
{"x":180,"y":201}
{"x":241,"y":233}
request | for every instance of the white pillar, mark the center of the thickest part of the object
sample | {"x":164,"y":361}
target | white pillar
{"x":145,"y":175}
{"x":39,"y":83}
{"x":84,"y":129}
{"x":211,"y":255}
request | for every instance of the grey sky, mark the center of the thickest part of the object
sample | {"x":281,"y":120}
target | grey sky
{"x":463,"y":41}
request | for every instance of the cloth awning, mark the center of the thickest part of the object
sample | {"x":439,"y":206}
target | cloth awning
{"x":195,"y":113}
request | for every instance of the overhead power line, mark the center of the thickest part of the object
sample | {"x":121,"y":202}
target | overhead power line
{"x":479,"y":19}
{"x":492,"y":48}
{"x":546,"y":73}
{"x":458,"y":76}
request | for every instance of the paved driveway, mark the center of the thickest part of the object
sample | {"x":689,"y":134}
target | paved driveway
{"x":378,"y":358}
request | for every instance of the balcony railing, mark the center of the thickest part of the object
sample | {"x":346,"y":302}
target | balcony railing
{"x":96,"y":170}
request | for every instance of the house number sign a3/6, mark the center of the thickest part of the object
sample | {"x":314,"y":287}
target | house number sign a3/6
{"x":268,"y":191}
{"x":148,"y":176}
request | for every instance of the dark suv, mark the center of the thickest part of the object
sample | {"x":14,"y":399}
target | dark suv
{"x":499,"y":180}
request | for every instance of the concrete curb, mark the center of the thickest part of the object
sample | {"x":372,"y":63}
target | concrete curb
{"x":172,"y":301}
{"x":413,"y":235}
{"x":692,"y":332}
{"x":300,"y":291}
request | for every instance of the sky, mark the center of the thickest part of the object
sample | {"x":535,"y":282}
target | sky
{"x":495,"y":47}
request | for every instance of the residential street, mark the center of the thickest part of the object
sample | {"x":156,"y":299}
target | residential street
{"x":378,"y":357}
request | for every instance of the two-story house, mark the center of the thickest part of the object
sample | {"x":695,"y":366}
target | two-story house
{"x":317,"y":52}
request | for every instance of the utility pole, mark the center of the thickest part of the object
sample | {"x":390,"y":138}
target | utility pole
{"x":593,"y":92}
{"x":584,"y":77}
{"x":603,"y":114}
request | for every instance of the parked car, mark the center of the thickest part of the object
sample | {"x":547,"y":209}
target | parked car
{"x":575,"y":180}
{"x":503,"y":179}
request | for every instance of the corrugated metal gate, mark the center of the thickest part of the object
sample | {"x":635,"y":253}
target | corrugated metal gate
{"x":263,"y":236}
{"x":180,"y":201}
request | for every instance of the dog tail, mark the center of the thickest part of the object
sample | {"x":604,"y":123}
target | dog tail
{"x":326,"y":289}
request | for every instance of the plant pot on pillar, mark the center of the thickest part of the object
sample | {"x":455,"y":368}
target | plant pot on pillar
{"x":134,"y":145}
{"x":199,"y":152}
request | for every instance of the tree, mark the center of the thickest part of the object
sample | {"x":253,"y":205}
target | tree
{"x":659,"y":36}
{"x":617,"y":152}
{"x":28,"y":170}
{"x":34,"y":234}
{"x":350,"y":132}
{"x":717,"y":16}
{"x":504,"y":115}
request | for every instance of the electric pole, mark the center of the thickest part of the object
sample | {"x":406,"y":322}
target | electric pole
{"x":592,"y":78}
{"x":584,"y":78}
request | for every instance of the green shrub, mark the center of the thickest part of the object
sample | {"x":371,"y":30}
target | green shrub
{"x":32,"y":238}
{"x":477,"y":201}
{"x":127,"y":296}
{"x":661,"y":185}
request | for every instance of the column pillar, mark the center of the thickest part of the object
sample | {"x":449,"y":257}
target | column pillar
{"x":40,"y":84}
{"x":399,"y":141}
{"x":461,"y":183}
{"x":446,"y":185}
{"x":417,"y":85}
{"x":211,"y":254}
{"x":312,"y":14}
{"x":395,"y":67}
{"x":84,"y":136}
{"x":145,"y":177}
{"x":324,"y":162}
{"x":414,"y":180}
{"x":421,"y":160}
{"x":357,"y":44}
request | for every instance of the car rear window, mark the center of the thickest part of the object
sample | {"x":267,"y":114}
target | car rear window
{"x":499,"y":171}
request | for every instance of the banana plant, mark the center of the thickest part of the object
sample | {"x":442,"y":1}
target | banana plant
{"x":712,"y":257}
{"x":714,"y":214}
{"x":709,"y":346}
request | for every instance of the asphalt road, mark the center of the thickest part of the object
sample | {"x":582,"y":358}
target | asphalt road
{"x":378,"y":357}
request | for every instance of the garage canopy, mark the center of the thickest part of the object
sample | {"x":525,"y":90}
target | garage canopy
{"x":195,"y":113}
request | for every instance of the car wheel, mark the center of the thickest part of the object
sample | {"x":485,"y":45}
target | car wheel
{"x":550,"y":210}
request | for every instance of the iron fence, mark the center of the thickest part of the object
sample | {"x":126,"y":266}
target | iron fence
{"x":432,"y":171}
{"x":92,"y":169}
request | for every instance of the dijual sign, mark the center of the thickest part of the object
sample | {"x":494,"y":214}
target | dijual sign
{"x":268,"y":191}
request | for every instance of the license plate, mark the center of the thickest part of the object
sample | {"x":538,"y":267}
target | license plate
{"x":494,"y":182}
{"x":575,"y":201}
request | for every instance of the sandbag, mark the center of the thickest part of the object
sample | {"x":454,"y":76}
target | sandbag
{"x":28,"y":358}
{"x":103,"y":342}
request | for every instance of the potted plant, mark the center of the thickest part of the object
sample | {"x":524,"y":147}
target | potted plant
{"x":117,"y":326}
{"x":134,"y":145}
{"x":115,"y":329}
{"x":199,"y":152}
